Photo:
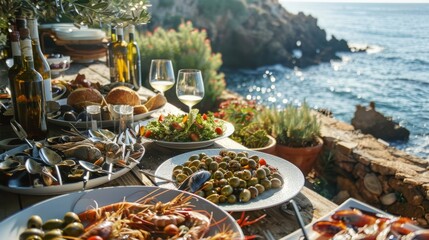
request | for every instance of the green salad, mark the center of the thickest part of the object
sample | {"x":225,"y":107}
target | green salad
{"x":192,"y":127}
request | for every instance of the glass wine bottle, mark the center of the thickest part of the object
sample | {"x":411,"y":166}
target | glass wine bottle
{"x":16,"y":67}
{"x":30,"y":100}
{"x":134,"y":59}
{"x":120,"y":57}
{"x":110,"y":58}
{"x":40,"y":63}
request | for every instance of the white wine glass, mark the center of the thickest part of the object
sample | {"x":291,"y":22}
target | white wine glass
{"x":190,"y":87}
{"x":161,"y":75}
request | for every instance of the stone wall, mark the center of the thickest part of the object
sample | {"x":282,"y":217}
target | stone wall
{"x":369,"y":170}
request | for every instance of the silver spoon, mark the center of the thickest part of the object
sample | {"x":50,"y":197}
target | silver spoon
{"x":52,"y":158}
{"x":34,"y":168}
{"x":93,"y":168}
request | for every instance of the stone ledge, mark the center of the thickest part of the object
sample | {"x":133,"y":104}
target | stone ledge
{"x":396,"y":172}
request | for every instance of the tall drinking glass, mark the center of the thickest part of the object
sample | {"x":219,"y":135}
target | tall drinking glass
{"x":190,"y":87}
{"x":161,"y":75}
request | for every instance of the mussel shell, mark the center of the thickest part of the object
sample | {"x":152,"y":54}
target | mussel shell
{"x":70,"y":116}
{"x":66,"y":108}
{"x":82,"y":116}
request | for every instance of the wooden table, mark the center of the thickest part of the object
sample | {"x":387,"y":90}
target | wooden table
{"x":279,"y":222}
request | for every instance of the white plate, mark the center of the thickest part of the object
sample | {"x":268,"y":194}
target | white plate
{"x":65,"y":188}
{"x":104,"y":124}
{"x":293,"y":180}
{"x":11,"y":227}
{"x":67,"y":33}
{"x":348,"y":204}
{"x":229,"y":129}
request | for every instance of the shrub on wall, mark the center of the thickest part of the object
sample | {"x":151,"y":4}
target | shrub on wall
{"x":187,"y":48}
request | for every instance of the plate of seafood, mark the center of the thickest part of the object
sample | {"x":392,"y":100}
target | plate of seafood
{"x":235,"y":179}
{"x":184,"y":131}
{"x":66,"y":163}
{"x":156,"y":213}
{"x":354,"y":219}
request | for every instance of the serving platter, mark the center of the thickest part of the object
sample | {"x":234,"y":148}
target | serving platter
{"x":56,"y":207}
{"x":350,"y":203}
{"x":229,"y":130}
{"x":292,"y":176}
{"x":67,"y":187}
{"x":104,"y":123}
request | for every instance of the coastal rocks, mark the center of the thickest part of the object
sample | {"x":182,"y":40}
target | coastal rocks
{"x":251,"y":34}
{"x":369,"y":121}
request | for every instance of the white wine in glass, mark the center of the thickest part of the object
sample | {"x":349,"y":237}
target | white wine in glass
{"x":161,"y":75}
{"x":190,"y":87}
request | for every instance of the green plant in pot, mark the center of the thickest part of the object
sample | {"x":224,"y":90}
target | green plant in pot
{"x":242,"y":114}
{"x":297,"y":131}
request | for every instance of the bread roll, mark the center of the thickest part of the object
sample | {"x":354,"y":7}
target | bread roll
{"x":139,"y":109}
{"x":123,"y":96}
{"x":82,"y":97}
{"x":155,"y":102}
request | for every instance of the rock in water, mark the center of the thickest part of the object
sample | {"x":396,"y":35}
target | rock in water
{"x":369,"y":121}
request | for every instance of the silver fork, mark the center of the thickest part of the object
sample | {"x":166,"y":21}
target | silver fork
{"x":268,"y":235}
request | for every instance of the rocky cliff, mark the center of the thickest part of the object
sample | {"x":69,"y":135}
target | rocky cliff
{"x":252,"y":33}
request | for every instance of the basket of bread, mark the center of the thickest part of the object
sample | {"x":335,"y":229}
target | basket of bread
{"x":72,"y":109}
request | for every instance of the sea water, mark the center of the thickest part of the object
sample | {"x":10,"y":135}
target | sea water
{"x":394,"y":72}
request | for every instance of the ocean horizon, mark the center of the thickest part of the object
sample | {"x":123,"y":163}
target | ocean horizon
{"x":394,"y":72}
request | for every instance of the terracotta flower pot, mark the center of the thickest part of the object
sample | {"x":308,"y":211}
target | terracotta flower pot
{"x":270,"y":148}
{"x":304,"y":158}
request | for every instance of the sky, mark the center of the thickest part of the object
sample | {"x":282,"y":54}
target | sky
{"x":362,"y":1}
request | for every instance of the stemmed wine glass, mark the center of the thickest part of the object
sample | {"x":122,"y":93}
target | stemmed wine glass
{"x":161,"y":75}
{"x":190,"y":87}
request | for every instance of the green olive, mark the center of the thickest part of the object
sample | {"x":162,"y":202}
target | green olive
{"x":31,"y":232}
{"x":52,"y":234}
{"x":253,"y":181}
{"x":276,"y":183}
{"x":181,"y":177}
{"x":34,"y":237}
{"x":223,"y":152}
{"x":208,"y":160}
{"x":234,"y":165}
{"x":187,"y":170}
{"x":267,"y":171}
{"x":202,"y":155}
{"x":234,"y":182}
{"x":226,"y":190}
{"x":213,"y":166}
{"x":207,"y":186}
{"x":245,"y":195}
{"x":176,"y":172}
{"x":34,"y":221}
{"x":231,"y":199}
{"x":241,"y":154}
{"x":194,"y":157}
{"x":223,"y":165}
{"x":260,"y":173}
{"x":70,"y":217}
{"x":253,"y":191}
{"x":226,"y":159}
{"x":238,"y":174}
{"x":246,"y":175}
{"x":195,"y":163}
{"x":252,"y":164}
{"x":222,"y":182}
{"x":187,"y":163}
{"x":232,"y":154}
{"x":266,"y":183}
{"x":218,"y":175}
{"x":260,"y":188}
{"x":278,"y":176}
{"x":52,"y":224}
{"x":214,"y":198}
{"x":244,"y":161}
{"x":73,"y":229}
